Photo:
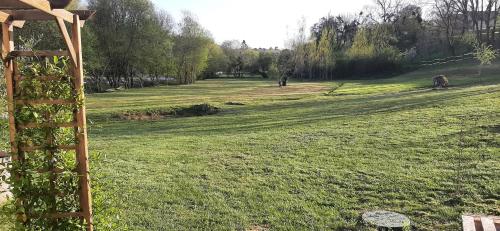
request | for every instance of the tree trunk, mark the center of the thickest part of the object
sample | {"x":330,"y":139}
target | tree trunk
{"x":465,"y":18}
{"x":495,"y":18}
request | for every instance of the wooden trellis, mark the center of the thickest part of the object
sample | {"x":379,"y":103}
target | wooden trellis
{"x":14,"y":13}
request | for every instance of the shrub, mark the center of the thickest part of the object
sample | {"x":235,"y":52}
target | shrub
{"x":369,"y":56}
{"x":274,"y":72}
{"x":485,"y":54}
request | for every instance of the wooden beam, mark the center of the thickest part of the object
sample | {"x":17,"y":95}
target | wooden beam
{"x":37,"y":53}
{"x":82,"y":151}
{"x":488,"y":224}
{"x":67,"y":39}
{"x":62,"y":13}
{"x":468,"y":223}
{"x":4,"y":17}
{"x":37,"y":148}
{"x":33,"y":102}
{"x":38,"y":15}
{"x":24,"y":4}
{"x":7,"y":42}
{"x":19,"y":78}
{"x":47,"y":125}
{"x":44,"y":6}
{"x":18,"y":23}
{"x":38,"y":4}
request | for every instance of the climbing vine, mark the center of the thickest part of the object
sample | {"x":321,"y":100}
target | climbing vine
{"x":44,"y":179}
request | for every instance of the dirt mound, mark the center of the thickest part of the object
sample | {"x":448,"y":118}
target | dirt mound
{"x":157,"y":114}
{"x":235,"y":104}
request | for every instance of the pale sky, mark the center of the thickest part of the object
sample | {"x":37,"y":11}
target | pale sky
{"x":262,"y":23}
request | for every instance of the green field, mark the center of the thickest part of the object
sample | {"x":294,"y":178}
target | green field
{"x":304,"y":157}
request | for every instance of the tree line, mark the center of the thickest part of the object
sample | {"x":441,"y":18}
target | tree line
{"x":390,"y":35}
{"x":130,"y":43}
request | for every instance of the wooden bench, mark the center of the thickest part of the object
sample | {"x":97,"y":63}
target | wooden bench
{"x":481,"y":223}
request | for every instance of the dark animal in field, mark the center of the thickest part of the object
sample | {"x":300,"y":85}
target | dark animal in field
{"x":440,"y":81}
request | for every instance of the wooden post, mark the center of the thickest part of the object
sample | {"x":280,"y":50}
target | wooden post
{"x":7,"y":47}
{"x":81,"y":134}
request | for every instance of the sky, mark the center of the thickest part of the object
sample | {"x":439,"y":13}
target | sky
{"x":262,"y":23}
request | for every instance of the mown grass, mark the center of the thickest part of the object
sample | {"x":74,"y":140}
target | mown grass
{"x":295,"y":158}
{"x":301,"y":158}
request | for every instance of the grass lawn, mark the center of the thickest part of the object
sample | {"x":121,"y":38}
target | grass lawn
{"x":298,"y":158}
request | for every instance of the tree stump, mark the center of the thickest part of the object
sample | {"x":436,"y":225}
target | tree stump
{"x":385,"y":220}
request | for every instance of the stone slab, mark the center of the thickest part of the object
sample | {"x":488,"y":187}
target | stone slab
{"x":387,"y":220}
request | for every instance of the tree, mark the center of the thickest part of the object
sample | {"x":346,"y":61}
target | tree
{"x":325,"y":54}
{"x":191,"y":49}
{"x":217,"y":61}
{"x":239,"y":63}
{"x":244,"y":46}
{"x":387,"y":10}
{"x":231,"y":49}
{"x":250,"y":60}
{"x":95,"y":63}
{"x":463,"y":8}
{"x":123,"y":31}
{"x":447,"y":16}
{"x":299,"y":45}
{"x":496,"y":15}
{"x":264,"y":63}
{"x":274,"y":72}
{"x":157,"y":58}
{"x":286,"y":66}
{"x":407,"y":26}
{"x":362,"y":48}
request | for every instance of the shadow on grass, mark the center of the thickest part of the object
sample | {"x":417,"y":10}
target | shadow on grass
{"x":291,"y":113}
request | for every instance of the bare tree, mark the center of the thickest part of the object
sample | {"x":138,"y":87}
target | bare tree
{"x":474,"y":13}
{"x":487,"y":18}
{"x":388,"y":9}
{"x":446,"y":11}
{"x":495,"y":18}
{"x":463,"y":8}
{"x":484,"y":18}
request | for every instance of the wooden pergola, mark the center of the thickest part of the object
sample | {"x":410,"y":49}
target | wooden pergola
{"x":14,"y":14}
